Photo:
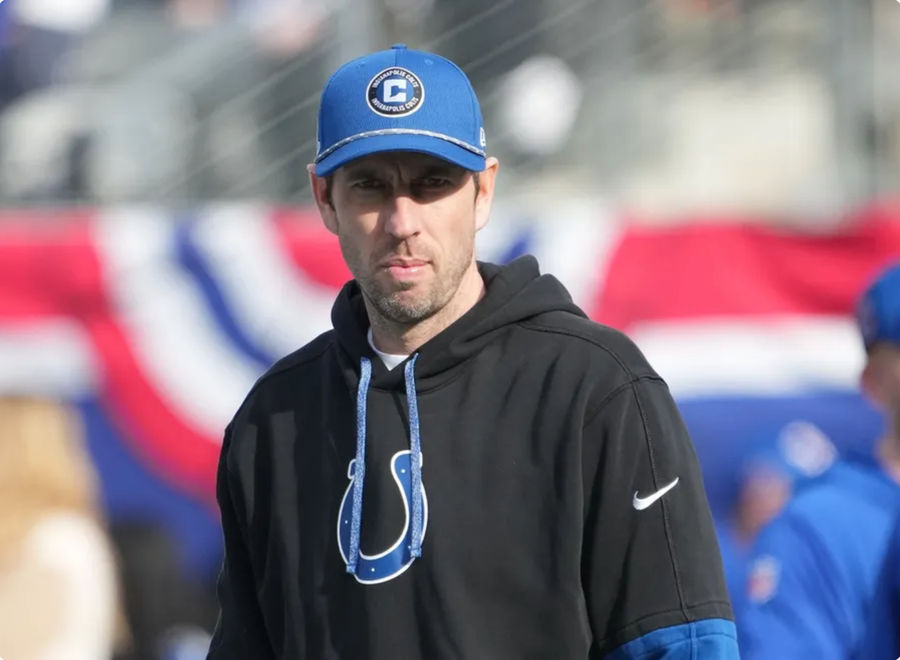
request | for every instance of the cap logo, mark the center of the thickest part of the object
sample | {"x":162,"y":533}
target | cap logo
{"x":395,"y":92}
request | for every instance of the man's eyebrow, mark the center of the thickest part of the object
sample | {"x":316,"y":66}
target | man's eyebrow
{"x":442,"y":170}
{"x":361,"y":172}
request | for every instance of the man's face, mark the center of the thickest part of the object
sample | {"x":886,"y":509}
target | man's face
{"x":406,"y":224}
{"x":881,"y":376}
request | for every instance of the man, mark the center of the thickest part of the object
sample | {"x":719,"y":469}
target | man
{"x":783,"y":461}
{"x":882,"y":638}
{"x":465,"y":467}
{"x":815,"y":571}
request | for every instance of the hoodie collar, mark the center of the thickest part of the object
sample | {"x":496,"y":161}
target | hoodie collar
{"x":514,"y":292}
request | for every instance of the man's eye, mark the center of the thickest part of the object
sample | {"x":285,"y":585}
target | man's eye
{"x":368,"y":185}
{"x":434,"y":182}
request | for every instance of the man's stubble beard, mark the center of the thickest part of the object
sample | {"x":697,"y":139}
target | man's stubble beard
{"x":391,"y":306}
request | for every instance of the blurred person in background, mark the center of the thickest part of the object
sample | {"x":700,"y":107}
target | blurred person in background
{"x":58,"y":584}
{"x":767,"y":480}
{"x":814,"y":569}
{"x":565,"y":513}
{"x":170,"y":615}
{"x":882,"y":638}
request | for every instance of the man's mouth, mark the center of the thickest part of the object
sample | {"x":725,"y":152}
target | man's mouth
{"x":405,"y":267}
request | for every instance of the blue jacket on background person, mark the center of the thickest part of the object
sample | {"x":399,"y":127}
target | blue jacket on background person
{"x":814,"y":571}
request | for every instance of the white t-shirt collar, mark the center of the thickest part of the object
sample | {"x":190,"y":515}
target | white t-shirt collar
{"x":390,"y":360}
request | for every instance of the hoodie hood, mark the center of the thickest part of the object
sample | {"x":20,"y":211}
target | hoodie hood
{"x":514,"y":293}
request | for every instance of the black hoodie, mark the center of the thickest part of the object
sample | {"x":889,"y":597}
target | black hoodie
{"x":538,"y":430}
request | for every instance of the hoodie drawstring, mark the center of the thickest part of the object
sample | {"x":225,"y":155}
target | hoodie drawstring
{"x":359,"y":469}
{"x":415,"y":457}
{"x":359,"y":466}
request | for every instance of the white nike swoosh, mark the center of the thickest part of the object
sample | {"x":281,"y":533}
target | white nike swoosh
{"x":641,"y":503}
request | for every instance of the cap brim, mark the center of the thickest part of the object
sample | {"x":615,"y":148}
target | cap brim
{"x":425,"y":144}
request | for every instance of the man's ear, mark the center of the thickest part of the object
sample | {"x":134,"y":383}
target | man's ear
{"x":321,"y":193}
{"x":485,"y":197}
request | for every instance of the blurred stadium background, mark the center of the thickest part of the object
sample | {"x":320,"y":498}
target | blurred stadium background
{"x":714,"y":177}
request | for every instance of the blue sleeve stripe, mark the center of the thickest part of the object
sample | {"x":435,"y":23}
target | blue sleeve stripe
{"x":713,"y":639}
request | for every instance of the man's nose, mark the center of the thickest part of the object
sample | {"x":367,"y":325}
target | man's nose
{"x":402,"y":216}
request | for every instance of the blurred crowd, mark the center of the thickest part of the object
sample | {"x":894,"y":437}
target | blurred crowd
{"x":126,"y":99}
{"x":180,"y":101}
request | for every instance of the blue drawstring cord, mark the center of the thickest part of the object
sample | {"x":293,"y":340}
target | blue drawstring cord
{"x":415,"y":458}
{"x":359,"y":466}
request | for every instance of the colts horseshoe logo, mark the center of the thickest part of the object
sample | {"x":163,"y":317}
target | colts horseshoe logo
{"x":386,"y":565}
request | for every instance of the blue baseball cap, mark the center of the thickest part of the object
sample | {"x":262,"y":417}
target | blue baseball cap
{"x":399,"y":100}
{"x":878,"y":312}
